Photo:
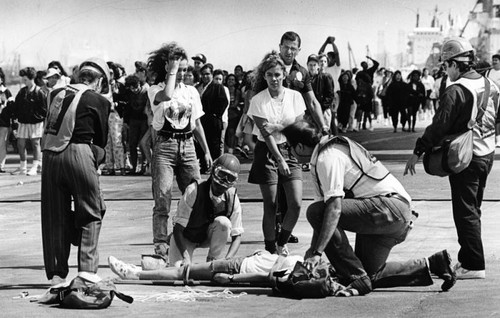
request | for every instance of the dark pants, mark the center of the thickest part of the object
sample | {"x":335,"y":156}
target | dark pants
{"x":71,"y":174}
{"x":380,"y":223}
{"x":467,"y":189}
{"x":137,"y":129}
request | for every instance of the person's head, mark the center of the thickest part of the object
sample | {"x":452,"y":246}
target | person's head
{"x":218,"y":76}
{"x":2,"y":77}
{"x":457,"y":55}
{"x":397,"y":76}
{"x":323,"y":61}
{"x":57,"y":65}
{"x":28,"y":75}
{"x":207,"y":73}
{"x":345,"y":77}
{"x":231,"y":80}
{"x":52,"y":77}
{"x":302,"y":136}
{"x":364,"y":65}
{"x":141,"y":71}
{"x":313,"y":64}
{"x":225,"y":171}
{"x":425,"y":72}
{"x":199,"y":60}
{"x":355,"y":70}
{"x":40,"y":79}
{"x":289,"y":47}
{"x":238,"y":72}
{"x":120,"y":70}
{"x":159,"y":59}
{"x":388,"y":72}
{"x":95,"y":73}
{"x":495,"y":61}
{"x":113,"y":71}
{"x":189,"y":77}
{"x":270,"y":73}
{"x":133,"y":83}
{"x":415,"y":76}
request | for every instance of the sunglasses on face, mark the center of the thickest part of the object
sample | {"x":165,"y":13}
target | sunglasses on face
{"x":225,"y":175}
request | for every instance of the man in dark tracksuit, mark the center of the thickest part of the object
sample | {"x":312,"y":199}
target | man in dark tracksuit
{"x":73,"y":145}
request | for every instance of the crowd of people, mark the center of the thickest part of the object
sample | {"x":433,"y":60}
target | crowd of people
{"x":186,"y":121}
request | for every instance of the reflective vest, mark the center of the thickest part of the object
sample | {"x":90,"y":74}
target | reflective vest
{"x":482,"y":120}
{"x":60,"y":121}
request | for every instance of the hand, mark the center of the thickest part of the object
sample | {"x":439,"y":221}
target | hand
{"x":311,"y":262}
{"x":270,"y":128}
{"x":172,"y":64}
{"x":410,"y":165}
{"x":368,"y":57}
{"x":208,"y":160}
{"x":283,"y":168}
{"x":222,"y":278}
{"x":330,"y":39}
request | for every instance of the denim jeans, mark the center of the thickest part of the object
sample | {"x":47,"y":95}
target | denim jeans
{"x":170,"y":156}
{"x":467,"y":189}
{"x":380,"y":223}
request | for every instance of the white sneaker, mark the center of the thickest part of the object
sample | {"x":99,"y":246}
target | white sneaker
{"x":463,"y":273}
{"x":18,"y":171}
{"x":283,"y":250}
{"x":125,"y":271}
{"x":32,"y":171}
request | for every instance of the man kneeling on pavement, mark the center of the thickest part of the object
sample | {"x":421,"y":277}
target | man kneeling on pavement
{"x":357,"y":193}
{"x":208,"y":213}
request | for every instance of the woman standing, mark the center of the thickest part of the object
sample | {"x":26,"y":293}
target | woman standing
{"x":416,"y":98}
{"x":397,"y":98}
{"x":346,"y":101}
{"x":176,"y":116}
{"x":273,"y":108}
{"x":6,"y":99}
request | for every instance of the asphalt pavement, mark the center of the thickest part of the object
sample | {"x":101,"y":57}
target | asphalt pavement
{"x":126,"y":234}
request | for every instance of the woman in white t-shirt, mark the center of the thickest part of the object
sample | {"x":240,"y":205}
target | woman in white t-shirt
{"x":176,"y":118}
{"x":273,"y":108}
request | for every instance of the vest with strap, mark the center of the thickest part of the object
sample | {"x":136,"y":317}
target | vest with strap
{"x":61,"y":122}
{"x":369,"y":166}
{"x":483,"y":114}
{"x":205,"y":211}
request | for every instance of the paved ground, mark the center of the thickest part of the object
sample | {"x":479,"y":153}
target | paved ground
{"x":126,"y":234}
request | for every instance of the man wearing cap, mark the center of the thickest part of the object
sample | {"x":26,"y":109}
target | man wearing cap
{"x":323,"y":87}
{"x":199,"y":61}
{"x":53,"y":75}
{"x":208,"y":213}
{"x":73,"y":146}
{"x":461,"y":107}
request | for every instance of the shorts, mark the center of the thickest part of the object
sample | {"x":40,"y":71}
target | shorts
{"x":30,"y":131}
{"x":264,"y":168}
{"x":227,"y":266}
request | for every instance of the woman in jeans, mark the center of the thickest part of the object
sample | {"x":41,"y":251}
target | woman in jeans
{"x":273,"y":108}
{"x":176,"y":117}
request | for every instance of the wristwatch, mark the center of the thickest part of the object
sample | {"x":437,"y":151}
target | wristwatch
{"x":231,"y":277}
{"x":316,"y":253}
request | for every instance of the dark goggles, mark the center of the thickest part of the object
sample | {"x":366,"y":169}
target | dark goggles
{"x":225,"y":176}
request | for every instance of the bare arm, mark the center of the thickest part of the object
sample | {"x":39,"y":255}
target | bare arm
{"x":235,"y":245}
{"x":170,"y":79}
{"x":315,"y":109}
{"x":179,"y":240}
{"x":271,"y":144}
{"x":199,"y":133}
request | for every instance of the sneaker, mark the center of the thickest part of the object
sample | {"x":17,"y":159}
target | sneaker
{"x":439,"y":265}
{"x":125,"y":271}
{"x":283,"y":250}
{"x":463,"y":273}
{"x":161,"y":249}
{"x":293,"y":239}
{"x":32,"y":171}
{"x":57,"y":281}
{"x":2,"y":171}
{"x":18,"y":171}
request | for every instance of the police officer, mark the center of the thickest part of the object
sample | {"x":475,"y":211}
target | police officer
{"x":454,"y":115}
{"x":208,"y":213}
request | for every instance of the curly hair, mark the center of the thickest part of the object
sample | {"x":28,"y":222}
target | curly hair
{"x":270,"y":60}
{"x":29,"y":72}
{"x":302,"y":132}
{"x":159,"y":58}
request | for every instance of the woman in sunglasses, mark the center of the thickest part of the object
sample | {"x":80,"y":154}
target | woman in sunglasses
{"x":208,"y":213}
{"x":272,"y":108}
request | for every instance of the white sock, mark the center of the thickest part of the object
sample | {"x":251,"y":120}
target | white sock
{"x":90,"y":276}
{"x":23,"y":164}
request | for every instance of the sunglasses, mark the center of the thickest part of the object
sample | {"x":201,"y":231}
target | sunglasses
{"x":225,"y":176}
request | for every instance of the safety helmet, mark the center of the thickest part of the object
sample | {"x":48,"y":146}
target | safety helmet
{"x":225,"y":170}
{"x":98,"y":65}
{"x":458,"y":49}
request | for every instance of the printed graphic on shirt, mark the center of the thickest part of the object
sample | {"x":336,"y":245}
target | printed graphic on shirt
{"x":178,"y":112}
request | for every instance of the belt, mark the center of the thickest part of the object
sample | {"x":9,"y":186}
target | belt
{"x":178,"y":136}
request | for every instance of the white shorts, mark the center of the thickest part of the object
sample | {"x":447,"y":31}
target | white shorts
{"x":30,"y":131}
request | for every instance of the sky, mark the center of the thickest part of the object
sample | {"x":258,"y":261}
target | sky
{"x":228,"y":32}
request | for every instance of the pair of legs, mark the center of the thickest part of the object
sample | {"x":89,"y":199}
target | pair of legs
{"x":71,"y":175}
{"x":4,"y":135}
{"x":137,"y":129}
{"x":171,"y":156}
{"x":115,"y":153}
{"x":218,"y":234}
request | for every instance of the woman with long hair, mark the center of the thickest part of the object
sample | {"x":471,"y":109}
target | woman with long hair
{"x":176,"y":118}
{"x":272,"y":108}
{"x":416,"y":98}
{"x":397,"y":99}
{"x":346,"y":94}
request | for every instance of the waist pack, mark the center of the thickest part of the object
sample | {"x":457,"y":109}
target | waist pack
{"x":452,"y":156}
{"x":84,"y":294}
{"x":318,"y":282}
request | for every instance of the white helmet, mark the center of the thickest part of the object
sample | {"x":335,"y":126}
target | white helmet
{"x":458,"y":49}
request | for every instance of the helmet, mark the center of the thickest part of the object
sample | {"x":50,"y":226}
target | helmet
{"x":458,"y":49}
{"x":226,"y":169}
{"x":102,"y":67}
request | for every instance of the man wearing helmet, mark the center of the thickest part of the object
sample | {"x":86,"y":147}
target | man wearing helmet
{"x":208,"y":213}
{"x":73,"y":146}
{"x":457,"y":113}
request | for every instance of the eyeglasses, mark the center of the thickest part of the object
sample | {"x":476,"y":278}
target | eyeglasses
{"x":224,"y":175}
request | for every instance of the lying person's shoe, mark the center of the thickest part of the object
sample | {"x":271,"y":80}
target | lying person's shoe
{"x":293,"y":239}
{"x":283,"y":250}
{"x":125,"y":271}
{"x":362,"y":285}
{"x":439,"y":265}
{"x":463,"y":273}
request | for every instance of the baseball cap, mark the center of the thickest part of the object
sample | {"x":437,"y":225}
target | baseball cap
{"x":51,"y":72}
{"x":200,"y":57}
{"x":313,"y":57}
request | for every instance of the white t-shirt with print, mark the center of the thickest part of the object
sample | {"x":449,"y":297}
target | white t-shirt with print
{"x":263,"y":262}
{"x":183,"y":109}
{"x":262,"y":105}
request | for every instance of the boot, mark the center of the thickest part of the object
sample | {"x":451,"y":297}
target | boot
{"x":439,"y":265}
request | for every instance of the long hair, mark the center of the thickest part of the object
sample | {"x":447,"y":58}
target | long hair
{"x":159,"y":58}
{"x":270,"y":60}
